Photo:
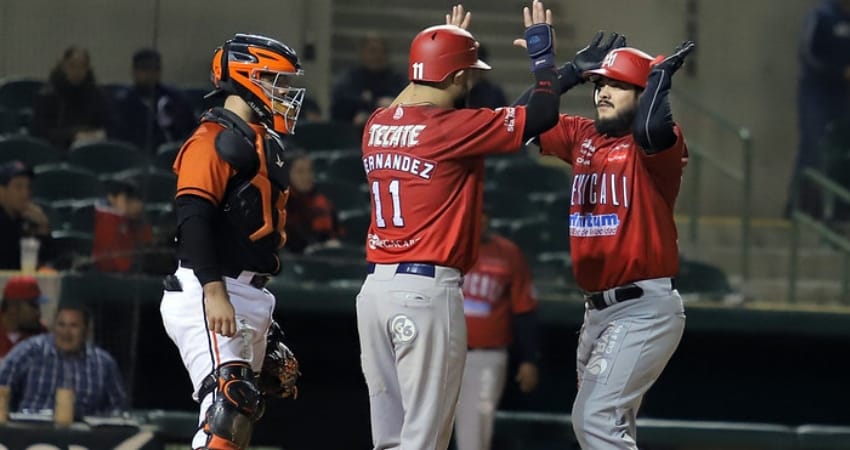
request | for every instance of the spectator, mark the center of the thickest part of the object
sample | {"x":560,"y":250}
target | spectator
{"x":311,"y":112}
{"x":499,"y":303}
{"x":485,"y":93}
{"x":20,"y":312}
{"x":311,"y":218}
{"x":70,"y":109}
{"x":823,"y":95}
{"x":19,"y":216}
{"x":119,"y":228}
{"x":150,"y":112}
{"x":37,"y":366}
{"x":369,"y":85}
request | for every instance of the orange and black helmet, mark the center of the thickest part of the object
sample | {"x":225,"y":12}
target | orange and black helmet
{"x":259,"y":69}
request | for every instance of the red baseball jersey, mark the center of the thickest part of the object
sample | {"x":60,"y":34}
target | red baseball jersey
{"x":497,"y":287}
{"x":425,"y":168}
{"x":622,"y":200}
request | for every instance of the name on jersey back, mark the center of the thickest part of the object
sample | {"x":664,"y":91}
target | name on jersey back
{"x":397,"y":136}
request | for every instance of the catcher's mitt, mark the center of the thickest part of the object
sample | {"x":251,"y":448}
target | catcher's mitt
{"x":280,"y":373}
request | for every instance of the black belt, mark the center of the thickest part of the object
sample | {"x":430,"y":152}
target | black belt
{"x":596,"y":300}
{"x":424,"y":269}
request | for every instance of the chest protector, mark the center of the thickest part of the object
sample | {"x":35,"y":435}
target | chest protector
{"x":255,"y":199}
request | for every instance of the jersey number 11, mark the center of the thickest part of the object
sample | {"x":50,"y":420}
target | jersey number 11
{"x":379,"y":214}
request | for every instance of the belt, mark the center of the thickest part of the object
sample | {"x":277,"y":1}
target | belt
{"x":424,"y":269}
{"x":598,"y":300}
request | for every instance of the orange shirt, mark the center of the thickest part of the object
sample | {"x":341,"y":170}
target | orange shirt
{"x":622,"y":201}
{"x":497,"y":287}
{"x":425,"y":168}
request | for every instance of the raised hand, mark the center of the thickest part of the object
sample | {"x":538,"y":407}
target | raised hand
{"x":539,"y":37}
{"x":672,"y":63}
{"x":591,"y":56}
{"x":458,"y":18}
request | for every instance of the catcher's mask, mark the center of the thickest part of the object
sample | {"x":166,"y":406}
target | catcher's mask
{"x":259,"y":69}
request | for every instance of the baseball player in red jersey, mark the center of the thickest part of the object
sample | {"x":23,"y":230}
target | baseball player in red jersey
{"x":232,"y":188}
{"x":424,"y":162}
{"x":627,"y":169}
{"x":498,"y":301}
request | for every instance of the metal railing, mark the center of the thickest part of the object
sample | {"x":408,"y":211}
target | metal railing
{"x":832,"y":191}
{"x":744,"y":176}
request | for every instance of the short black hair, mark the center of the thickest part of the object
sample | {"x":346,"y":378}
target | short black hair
{"x":118,"y":186}
{"x":76,"y":306}
{"x":13,"y":169}
{"x":147,"y":58}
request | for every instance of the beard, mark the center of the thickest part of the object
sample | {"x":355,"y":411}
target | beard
{"x":619,"y":125}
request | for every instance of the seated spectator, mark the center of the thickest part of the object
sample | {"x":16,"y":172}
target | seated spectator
{"x":19,"y":216}
{"x":20,"y":312}
{"x":71,"y":109}
{"x":484,"y":92}
{"x":372,"y":83}
{"x":38,"y":365}
{"x":311,"y":219}
{"x":120,"y":230}
{"x":151,"y":113}
{"x":310,"y":112}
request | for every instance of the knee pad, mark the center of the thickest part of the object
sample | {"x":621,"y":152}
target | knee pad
{"x":237,"y":405}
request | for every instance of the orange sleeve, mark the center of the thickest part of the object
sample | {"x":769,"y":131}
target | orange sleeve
{"x":200,"y":171}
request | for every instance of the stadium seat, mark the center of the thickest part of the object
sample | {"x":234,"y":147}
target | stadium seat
{"x":702,"y":279}
{"x":29,"y":150}
{"x":166,"y":153}
{"x":350,"y":252}
{"x":71,"y":248}
{"x":329,"y":270}
{"x":326,"y":136}
{"x":108,"y":157}
{"x":507,"y":204}
{"x":345,"y":196}
{"x":530,"y":177}
{"x":19,"y":93}
{"x":63,"y":181}
{"x":355,"y":225}
{"x":537,"y":237}
{"x":347,"y":166}
{"x":155,"y":185}
{"x":72,"y":215}
{"x":11,"y":122}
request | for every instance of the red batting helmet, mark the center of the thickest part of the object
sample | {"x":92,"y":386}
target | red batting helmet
{"x":626,"y":64}
{"x":438,"y":51}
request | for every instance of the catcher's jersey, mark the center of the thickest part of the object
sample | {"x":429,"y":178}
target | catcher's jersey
{"x":425,"y":170}
{"x":622,"y":200}
{"x":497,"y":287}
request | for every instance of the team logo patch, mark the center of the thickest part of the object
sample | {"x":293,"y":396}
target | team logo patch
{"x":399,"y":113}
{"x":403,"y":328}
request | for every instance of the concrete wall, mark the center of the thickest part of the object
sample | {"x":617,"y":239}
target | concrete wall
{"x":746,"y":62}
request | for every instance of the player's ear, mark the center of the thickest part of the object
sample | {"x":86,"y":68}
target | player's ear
{"x":459,"y":78}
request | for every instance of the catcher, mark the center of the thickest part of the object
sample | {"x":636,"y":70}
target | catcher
{"x":232,"y":189}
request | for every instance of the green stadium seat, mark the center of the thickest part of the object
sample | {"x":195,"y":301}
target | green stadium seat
{"x":329,"y":270}
{"x":19,"y":93}
{"x":11,"y":122}
{"x":355,"y":225}
{"x":702,"y":279}
{"x":63,"y":181}
{"x":108,"y":157}
{"x":71,"y":248}
{"x":155,"y":185}
{"x":29,"y":150}
{"x":530,"y":177}
{"x":344,"y":251}
{"x":345,"y":195}
{"x":537,"y":237}
{"x":348,"y":167}
{"x":507,"y":204}
{"x":166,"y":153}
{"x":326,"y":136}
{"x":72,"y":215}
{"x":823,"y":437}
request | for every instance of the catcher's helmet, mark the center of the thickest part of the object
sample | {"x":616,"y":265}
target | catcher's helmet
{"x":258,"y":69}
{"x":626,"y":64}
{"x":438,"y":51}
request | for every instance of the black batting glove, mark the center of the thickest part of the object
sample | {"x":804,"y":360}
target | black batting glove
{"x":588,"y":58}
{"x":673,"y":62}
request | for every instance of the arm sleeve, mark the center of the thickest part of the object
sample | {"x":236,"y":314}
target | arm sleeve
{"x":653,"y":125}
{"x":818,"y":51}
{"x":542,"y":108}
{"x":195,"y":232}
{"x":527,"y":331}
